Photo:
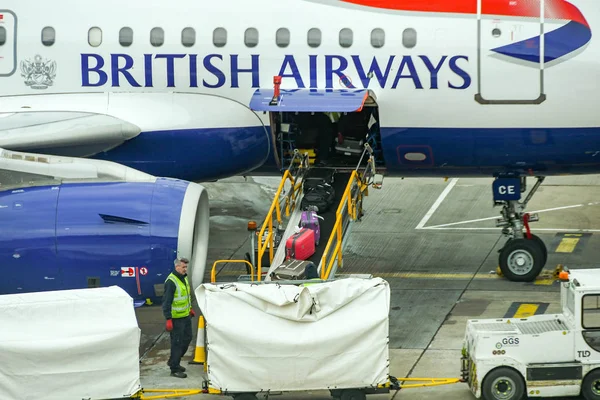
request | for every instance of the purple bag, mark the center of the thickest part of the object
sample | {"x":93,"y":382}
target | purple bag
{"x":310,"y":220}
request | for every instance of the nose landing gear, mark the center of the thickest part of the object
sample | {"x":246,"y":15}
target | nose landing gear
{"x":524,"y":254}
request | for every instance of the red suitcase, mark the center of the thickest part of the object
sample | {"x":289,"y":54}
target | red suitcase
{"x":300,"y":245}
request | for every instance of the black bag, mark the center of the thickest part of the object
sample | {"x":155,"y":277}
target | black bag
{"x":320,"y":196}
{"x":314,"y":183}
{"x":311,"y":182}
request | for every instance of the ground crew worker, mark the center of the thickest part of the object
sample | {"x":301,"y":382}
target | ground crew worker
{"x":177,"y":309}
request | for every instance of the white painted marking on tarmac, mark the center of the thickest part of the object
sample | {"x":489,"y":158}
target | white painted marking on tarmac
{"x":489,"y":218}
{"x":437,"y":203}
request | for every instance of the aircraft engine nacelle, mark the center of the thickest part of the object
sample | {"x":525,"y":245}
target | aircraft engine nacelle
{"x":79,"y":235}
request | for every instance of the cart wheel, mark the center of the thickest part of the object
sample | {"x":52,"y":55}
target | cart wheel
{"x":353,"y":394}
{"x":503,"y":384}
{"x":245,"y":396}
{"x":591,"y":385}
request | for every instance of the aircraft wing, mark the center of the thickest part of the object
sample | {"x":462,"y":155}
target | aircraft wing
{"x":74,"y":134}
{"x":19,"y":169}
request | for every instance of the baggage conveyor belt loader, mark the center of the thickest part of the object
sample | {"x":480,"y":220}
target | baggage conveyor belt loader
{"x":268,"y":249}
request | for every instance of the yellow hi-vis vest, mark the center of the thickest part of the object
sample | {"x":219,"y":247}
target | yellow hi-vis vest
{"x":312,"y":283}
{"x":333,"y":116}
{"x":182,"y":303}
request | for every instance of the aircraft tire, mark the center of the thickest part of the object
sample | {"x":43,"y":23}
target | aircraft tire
{"x":521,"y":260}
{"x":542,"y":247}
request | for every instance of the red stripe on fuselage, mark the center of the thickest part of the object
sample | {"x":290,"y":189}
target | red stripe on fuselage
{"x":554,"y":9}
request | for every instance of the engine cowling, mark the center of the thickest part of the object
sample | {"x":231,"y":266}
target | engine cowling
{"x":79,"y":235}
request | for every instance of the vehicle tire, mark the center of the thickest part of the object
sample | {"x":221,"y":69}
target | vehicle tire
{"x":590,"y":388}
{"x":353,"y":394}
{"x":542,"y":247}
{"x":503,"y":384}
{"x":521,"y":260}
{"x":245,"y":396}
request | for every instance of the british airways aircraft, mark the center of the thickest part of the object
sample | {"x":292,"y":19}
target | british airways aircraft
{"x":107,"y":112}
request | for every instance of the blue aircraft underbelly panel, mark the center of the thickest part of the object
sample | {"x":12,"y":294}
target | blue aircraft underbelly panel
{"x":472,"y":151}
{"x":194,"y":154}
{"x":27,"y":240}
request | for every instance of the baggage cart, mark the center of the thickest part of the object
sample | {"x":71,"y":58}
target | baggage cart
{"x":271,"y":338}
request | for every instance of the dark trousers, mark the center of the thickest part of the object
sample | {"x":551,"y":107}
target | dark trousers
{"x":181,"y":337}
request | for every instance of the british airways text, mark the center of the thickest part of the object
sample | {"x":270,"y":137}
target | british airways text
{"x":217,"y":70}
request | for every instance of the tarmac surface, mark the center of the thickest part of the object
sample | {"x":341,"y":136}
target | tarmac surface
{"x":436,"y":243}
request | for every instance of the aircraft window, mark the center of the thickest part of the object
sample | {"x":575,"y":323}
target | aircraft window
{"x":126,"y":36}
{"x":282,"y":37}
{"x":95,"y":36}
{"x":346,"y":37}
{"x":188,"y":37}
{"x":157,"y":37}
{"x":496,"y":32}
{"x":2,"y":35}
{"x":251,"y":37}
{"x":48,"y":36}
{"x":220,"y":37}
{"x":314,"y":37}
{"x":409,"y":38}
{"x":377,"y":37}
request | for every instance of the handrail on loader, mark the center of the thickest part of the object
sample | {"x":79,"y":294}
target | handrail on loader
{"x":213,"y":272}
{"x":350,"y":202}
{"x":290,"y":205}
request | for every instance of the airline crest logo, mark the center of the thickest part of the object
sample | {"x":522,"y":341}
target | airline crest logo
{"x":38,"y":73}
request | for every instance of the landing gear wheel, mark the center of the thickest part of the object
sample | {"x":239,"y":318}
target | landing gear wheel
{"x":590,"y":388}
{"x":542,"y":247}
{"x":503,"y":384}
{"x":521,"y":260}
{"x":353,"y":394}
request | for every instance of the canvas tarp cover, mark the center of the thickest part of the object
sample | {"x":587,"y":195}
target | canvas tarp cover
{"x":69,"y":345}
{"x":286,"y":337}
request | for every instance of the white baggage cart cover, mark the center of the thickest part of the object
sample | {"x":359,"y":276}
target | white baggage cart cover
{"x":286,"y":337}
{"x":69,"y":345}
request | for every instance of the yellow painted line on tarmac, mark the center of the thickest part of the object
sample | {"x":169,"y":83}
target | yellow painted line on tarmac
{"x":546,"y":277}
{"x":544,"y":281}
{"x":526,"y":310}
{"x":568,"y":243}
